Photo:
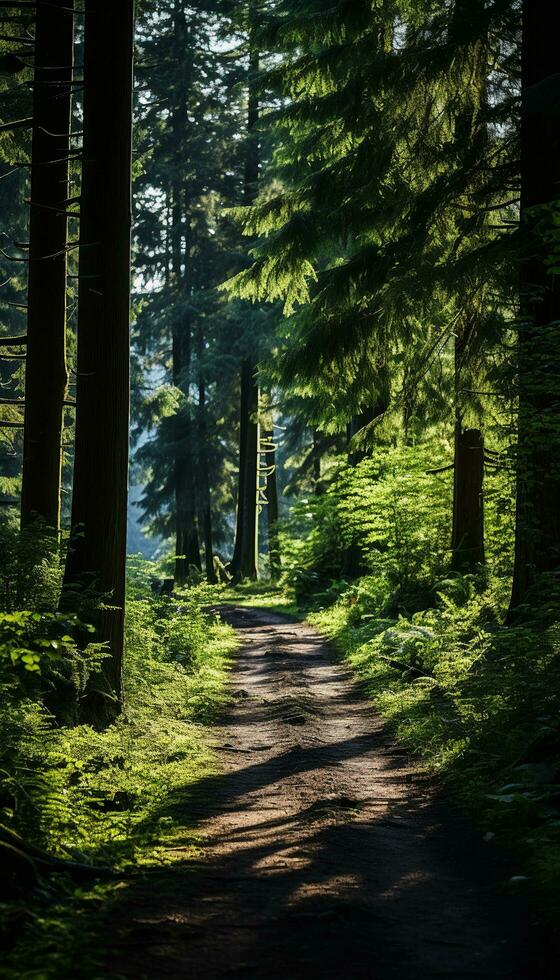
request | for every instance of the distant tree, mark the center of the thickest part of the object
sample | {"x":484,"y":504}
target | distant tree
{"x":185,"y":341}
{"x":270,"y":446}
{"x":202,"y":463}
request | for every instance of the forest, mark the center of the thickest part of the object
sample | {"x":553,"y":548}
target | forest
{"x":279,"y":489}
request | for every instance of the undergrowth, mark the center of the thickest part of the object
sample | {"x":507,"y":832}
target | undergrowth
{"x":109,"y":798}
{"x":368,"y":563}
{"x":476,"y":701}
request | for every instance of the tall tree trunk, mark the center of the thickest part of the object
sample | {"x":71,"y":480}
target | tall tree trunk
{"x":467,"y":534}
{"x":46,"y":375}
{"x":355,"y":425}
{"x":240,"y":510}
{"x":204,"y":498}
{"x":187,"y":548}
{"x":245,"y":555}
{"x":316,"y":462}
{"x":248,"y":550}
{"x":537,"y":540}
{"x":468,"y":511}
{"x":97,"y":552}
{"x":274,"y":556}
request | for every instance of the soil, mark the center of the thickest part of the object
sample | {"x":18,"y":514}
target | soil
{"x":327,"y":853}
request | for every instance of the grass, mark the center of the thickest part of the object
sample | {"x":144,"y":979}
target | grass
{"x":260,"y":595}
{"x":111,"y":798}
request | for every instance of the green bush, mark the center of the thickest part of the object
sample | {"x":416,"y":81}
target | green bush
{"x":106,"y":797}
{"x":479,"y":702}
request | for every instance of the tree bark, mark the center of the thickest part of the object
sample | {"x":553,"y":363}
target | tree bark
{"x":187,"y":546}
{"x":240,"y":510}
{"x":274,"y":555}
{"x":537,"y":537}
{"x":204,"y":497}
{"x":248,"y":549}
{"x":244,"y":563}
{"x":316,"y":462}
{"x":467,"y":534}
{"x":46,"y":376}
{"x":468,"y":511}
{"x":97,"y":552}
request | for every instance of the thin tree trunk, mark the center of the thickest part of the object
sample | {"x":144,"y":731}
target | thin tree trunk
{"x":274,"y":555}
{"x":537,"y":541}
{"x":467,"y":534}
{"x":186,"y":539}
{"x":379,"y":405}
{"x":204,"y":498}
{"x":187,"y":547}
{"x":468,"y":510}
{"x":97,"y":553}
{"x":240,"y":510}
{"x":46,"y":374}
{"x":245,"y":555}
{"x":316,"y":462}
{"x":355,"y":425}
{"x":248,"y":556}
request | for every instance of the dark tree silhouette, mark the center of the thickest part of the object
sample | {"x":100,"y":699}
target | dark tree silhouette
{"x":537,"y":544}
{"x":97,"y":552}
{"x":245,"y":556}
{"x":46,"y":374}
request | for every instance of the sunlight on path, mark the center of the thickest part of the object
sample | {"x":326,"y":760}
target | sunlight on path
{"x":325,"y":853}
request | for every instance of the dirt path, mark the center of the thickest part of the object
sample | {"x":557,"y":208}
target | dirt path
{"x":326,"y":855}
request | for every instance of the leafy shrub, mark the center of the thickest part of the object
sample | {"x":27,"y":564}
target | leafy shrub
{"x":479,"y":702}
{"x":113,"y":796}
{"x":388,"y":516}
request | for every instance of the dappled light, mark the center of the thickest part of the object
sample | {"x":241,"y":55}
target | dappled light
{"x":279,"y":489}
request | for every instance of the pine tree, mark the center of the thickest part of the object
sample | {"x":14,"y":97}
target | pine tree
{"x":467,"y":536}
{"x":244,"y":563}
{"x":17,"y":47}
{"x":46,"y":373}
{"x":383,"y":141}
{"x":185,"y":340}
{"x":203,"y":472}
{"x":97,"y":552}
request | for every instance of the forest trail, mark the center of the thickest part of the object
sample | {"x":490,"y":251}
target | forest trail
{"x":326,"y":853}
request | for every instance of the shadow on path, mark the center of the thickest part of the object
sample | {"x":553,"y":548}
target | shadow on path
{"x":326,"y":854}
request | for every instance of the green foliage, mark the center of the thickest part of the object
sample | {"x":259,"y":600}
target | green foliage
{"x":110,"y":797}
{"x":112,"y":781}
{"x":37,"y":641}
{"x":387,"y":515}
{"x":187,"y":340}
{"x":479,"y":702}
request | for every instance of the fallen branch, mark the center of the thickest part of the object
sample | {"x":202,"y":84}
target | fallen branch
{"x":43,"y":862}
